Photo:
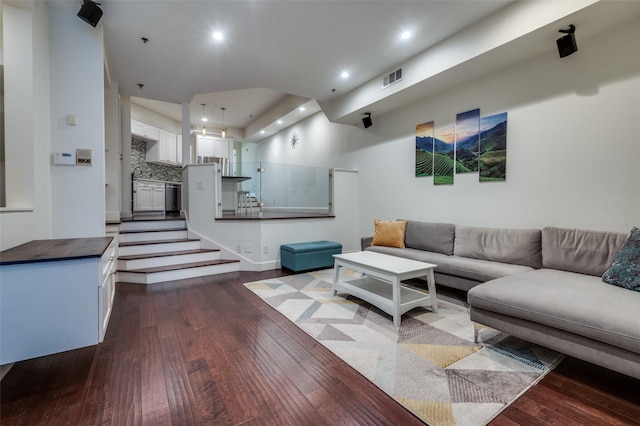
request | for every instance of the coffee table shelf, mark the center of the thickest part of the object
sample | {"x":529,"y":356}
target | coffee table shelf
{"x":380,"y":294}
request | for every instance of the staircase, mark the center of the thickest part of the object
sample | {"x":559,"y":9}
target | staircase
{"x":153,"y":251}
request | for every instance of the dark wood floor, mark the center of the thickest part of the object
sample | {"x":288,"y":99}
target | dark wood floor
{"x":207,"y":351}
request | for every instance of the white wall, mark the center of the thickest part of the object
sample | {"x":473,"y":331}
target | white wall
{"x":573,"y":146}
{"x":322,"y":144}
{"x":77,"y":87}
{"x":113,"y":162}
{"x":22,"y":225}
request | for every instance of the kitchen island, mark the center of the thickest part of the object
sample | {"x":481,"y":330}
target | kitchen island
{"x":55,"y":295}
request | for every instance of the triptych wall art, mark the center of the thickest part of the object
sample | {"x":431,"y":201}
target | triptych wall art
{"x":473,"y":144}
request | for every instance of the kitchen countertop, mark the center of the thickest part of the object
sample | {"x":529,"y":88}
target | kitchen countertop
{"x":156,"y":180}
{"x":54,"y":250}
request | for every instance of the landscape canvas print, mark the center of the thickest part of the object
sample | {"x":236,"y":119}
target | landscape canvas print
{"x":493,"y":148}
{"x":467,"y":141}
{"x":443,"y":155}
{"x":471,"y":144}
{"x":424,"y":149}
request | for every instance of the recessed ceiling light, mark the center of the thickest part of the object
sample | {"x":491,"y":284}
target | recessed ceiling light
{"x":344,"y":74}
{"x":301,"y":109}
{"x":262,"y":132}
{"x":405,"y":35}
{"x":204,"y":119}
{"x":279,"y":121}
{"x":218,"y":36}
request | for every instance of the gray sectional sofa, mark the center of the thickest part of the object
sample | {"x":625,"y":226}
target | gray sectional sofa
{"x":544,"y":286}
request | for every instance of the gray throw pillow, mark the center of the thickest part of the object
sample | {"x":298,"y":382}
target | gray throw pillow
{"x":625,"y":270}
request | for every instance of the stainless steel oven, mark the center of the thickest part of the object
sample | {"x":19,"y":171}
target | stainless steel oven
{"x":172,"y":197}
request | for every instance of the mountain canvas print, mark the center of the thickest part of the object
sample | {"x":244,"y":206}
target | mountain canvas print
{"x":467,"y":141}
{"x":444,"y":155}
{"x":493,"y":148}
{"x":424,"y":149}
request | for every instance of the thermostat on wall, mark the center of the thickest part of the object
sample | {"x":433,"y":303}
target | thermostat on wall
{"x":64,"y":158}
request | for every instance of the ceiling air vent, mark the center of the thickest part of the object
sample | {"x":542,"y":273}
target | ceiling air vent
{"x":392,"y":78}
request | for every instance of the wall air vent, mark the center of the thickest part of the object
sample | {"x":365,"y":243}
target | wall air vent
{"x":392,"y":78}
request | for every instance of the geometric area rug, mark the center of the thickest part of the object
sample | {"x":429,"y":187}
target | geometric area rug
{"x":429,"y":364}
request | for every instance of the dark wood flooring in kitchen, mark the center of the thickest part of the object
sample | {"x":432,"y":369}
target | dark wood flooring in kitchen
{"x":207,"y":351}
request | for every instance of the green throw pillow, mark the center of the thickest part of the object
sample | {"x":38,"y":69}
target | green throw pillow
{"x":625,"y":270}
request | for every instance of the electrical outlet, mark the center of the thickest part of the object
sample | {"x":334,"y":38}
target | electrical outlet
{"x":247,"y":248}
{"x":265,"y":249}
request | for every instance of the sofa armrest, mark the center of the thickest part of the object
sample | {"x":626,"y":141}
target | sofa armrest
{"x":365,"y":242}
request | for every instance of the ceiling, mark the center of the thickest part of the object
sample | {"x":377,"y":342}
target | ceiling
{"x":271,"y":49}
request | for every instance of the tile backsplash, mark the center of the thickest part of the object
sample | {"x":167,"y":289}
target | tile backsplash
{"x":143,"y":170}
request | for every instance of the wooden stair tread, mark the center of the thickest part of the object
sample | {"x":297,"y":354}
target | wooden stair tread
{"x":166,"y":253}
{"x":140,"y":243}
{"x":138,"y":231}
{"x":179,"y":266}
{"x":150,"y":217}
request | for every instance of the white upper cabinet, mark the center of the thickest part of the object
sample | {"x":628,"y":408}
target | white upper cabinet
{"x":162,"y":146}
{"x":144,"y":130}
{"x":222,"y":148}
{"x":206,"y":148}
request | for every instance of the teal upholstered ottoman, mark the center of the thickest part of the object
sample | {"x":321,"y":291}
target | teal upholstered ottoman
{"x":305,"y":256}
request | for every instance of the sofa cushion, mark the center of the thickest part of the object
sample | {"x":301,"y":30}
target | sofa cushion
{"x":576,"y":250}
{"x":515,"y":246}
{"x":389,"y":233}
{"x":473,"y":269}
{"x":625,"y":271}
{"x":435,"y":237}
{"x":576,"y":303}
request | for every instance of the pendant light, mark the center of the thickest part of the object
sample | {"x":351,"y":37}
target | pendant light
{"x":204,"y":119}
{"x":224,"y":131}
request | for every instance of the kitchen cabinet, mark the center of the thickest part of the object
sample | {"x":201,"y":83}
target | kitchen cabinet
{"x":207,"y":148}
{"x":222,"y":148}
{"x":165,"y":150}
{"x":148,"y":195}
{"x":50,"y":296}
{"x":144,"y":130}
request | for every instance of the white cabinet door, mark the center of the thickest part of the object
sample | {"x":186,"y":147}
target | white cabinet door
{"x":163,"y":143}
{"x":171,"y":148}
{"x":137,"y":128}
{"x":179,"y":150}
{"x":203,"y":148}
{"x":157,"y":196}
{"x":144,"y":130}
{"x":142,"y":196}
{"x":222,"y":148}
{"x":108,"y":286}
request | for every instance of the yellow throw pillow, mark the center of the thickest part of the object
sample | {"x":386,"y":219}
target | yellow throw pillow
{"x":389,"y":233}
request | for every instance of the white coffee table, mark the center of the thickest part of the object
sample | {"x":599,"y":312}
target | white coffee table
{"x":381,"y":286}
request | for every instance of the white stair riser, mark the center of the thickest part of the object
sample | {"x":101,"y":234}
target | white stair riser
{"x":153,"y":236}
{"x":158,"y":248}
{"x":180,"y":274}
{"x":143,"y":225}
{"x":152,"y":262}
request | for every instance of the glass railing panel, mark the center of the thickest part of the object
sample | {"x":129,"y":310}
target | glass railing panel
{"x":273,"y":187}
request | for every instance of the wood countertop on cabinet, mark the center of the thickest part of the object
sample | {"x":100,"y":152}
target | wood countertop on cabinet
{"x":55,"y":250}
